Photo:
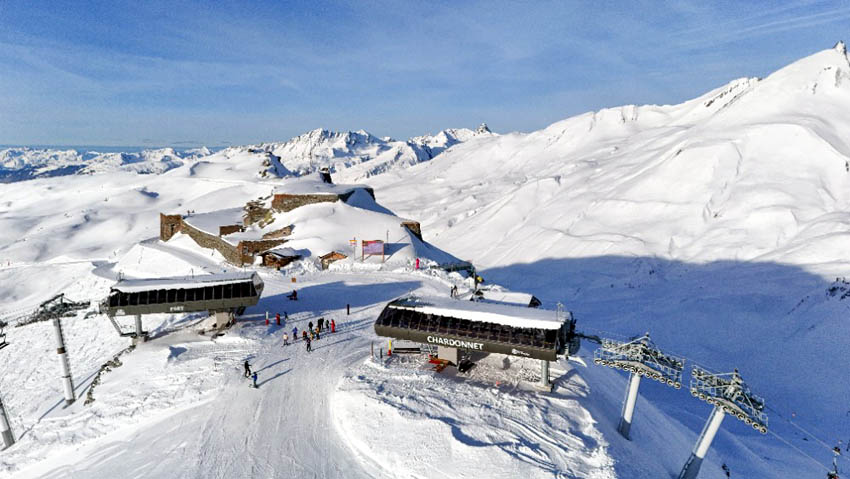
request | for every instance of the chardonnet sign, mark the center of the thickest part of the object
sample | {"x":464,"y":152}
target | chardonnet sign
{"x":456,"y":343}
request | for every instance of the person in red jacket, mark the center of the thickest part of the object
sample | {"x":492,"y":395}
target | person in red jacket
{"x":333,"y":326}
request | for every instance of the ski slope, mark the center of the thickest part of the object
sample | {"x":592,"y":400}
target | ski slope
{"x":179,"y":406}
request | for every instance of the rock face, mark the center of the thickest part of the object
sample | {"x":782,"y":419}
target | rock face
{"x":257,"y":213}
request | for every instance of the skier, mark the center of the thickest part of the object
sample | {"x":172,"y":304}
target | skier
{"x":295,"y":334}
{"x":310,"y":324}
{"x":317,"y":334}
{"x":247,"y":368}
{"x":277,"y":318}
{"x":304,"y":335}
{"x":333,"y":326}
{"x":309,"y":347}
{"x":285,"y":339}
{"x":725,"y":469}
{"x":321,"y":322}
{"x":836,"y":451}
{"x":254,"y":377}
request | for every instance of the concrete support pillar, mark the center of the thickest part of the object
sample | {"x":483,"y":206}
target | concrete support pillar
{"x":691,"y":468}
{"x":629,"y":406}
{"x":544,"y":375}
{"x":139,"y":333}
{"x":67,"y":382}
{"x":5,"y":427}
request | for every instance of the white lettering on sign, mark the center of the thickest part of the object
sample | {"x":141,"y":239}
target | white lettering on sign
{"x":176,"y":308}
{"x":456,"y":343}
{"x":517,"y":352}
{"x":120,"y":312}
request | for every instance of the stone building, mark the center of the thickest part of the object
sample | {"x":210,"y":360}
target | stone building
{"x":240,"y":234}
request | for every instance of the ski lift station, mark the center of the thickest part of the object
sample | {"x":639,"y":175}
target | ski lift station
{"x":452,"y":324}
{"x":220,"y":294}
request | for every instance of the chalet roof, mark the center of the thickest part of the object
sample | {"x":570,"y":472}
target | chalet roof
{"x":282,"y":252}
{"x":331,"y":254}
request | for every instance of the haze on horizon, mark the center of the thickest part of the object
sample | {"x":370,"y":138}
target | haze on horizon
{"x":190,"y":73}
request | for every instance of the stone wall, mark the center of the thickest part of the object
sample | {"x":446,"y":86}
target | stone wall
{"x":206,"y":240}
{"x":226,"y":230}
{"x":239,"y":254}
{"x":169,"y":225}
{"x":285,"y":202}
{"x":285,"y":231}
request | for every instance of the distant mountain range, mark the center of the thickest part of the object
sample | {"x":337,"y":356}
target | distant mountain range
{"x":303,"y":154}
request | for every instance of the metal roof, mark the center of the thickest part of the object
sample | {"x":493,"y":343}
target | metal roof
{"x":184,"y":282}
{"x":518,"y":317}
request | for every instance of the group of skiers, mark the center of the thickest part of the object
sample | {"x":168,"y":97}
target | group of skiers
{"x":308,"y":338}
{"x":310,"y":334}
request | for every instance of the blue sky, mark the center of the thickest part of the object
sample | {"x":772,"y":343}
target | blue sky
{"x":216,"y":73}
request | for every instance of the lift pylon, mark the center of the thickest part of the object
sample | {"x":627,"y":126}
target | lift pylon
{"x":3,"y":342}
{"x":728,"y":393}
{"x":5,"y":427}
{"x":640,"y":357}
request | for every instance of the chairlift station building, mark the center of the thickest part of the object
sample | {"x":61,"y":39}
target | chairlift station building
{"x":474,"y":326}
{"x":220,"y":294}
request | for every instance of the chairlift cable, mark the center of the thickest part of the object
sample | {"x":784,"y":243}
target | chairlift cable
{"x":823,"y":443}
{"x":799,"y":450}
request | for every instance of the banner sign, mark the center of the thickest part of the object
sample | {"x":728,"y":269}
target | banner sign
{"x":373,"y":247}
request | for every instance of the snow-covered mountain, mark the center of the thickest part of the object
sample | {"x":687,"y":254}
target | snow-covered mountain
{"x":720,"y":225}
{"x":19,"y":164}
{"x":757,"y":169}
{"x":360,"y":153}
{"x":298,"y":156}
